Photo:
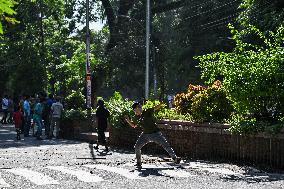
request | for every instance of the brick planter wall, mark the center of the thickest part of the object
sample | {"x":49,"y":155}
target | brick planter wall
{"x":72,"y":129}
{"x":210,"y":141}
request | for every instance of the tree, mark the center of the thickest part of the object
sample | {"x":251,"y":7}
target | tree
{"x":252,"y":73}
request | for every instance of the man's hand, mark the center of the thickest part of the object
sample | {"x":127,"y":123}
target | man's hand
{"x":126,"y":118}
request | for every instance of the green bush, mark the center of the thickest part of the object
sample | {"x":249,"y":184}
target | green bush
{"x":78,"y":114}
{"x":119,"y":108}
{"x":172,"y":114}
{"x":246,"y":125}
{"x":253,"y":73}
{"x":75,"y":100}
{"x":211,"y":105}
{"x":165,"y":113}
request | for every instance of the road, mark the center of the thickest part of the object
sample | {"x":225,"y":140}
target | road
{"x":30,"y":163}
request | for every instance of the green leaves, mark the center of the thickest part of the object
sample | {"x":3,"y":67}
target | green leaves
{"x":252,"y":73}
{"x":6,"y":7}
{"x":119,"y":108}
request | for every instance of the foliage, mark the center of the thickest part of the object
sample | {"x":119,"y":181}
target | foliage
{"x":6,"y":8}
{"x":239,"y":125}
{"x":246,"y":125}
{"x":253,"y":73}
{"x":165,"y":113}
{"x":183,"y":101}
{"x":75,"y":100}
{"x":152,"y":104}
{"x":265,"y":15}
{"x":74,"y":114}
{"x":172,"y":114}
{"x":119,"y":108}
{"x":211,"y":105}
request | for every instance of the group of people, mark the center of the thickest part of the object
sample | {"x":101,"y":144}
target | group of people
{"x":146,"y":120}
{"x":47,"y":112}
{"x":33,"y":113}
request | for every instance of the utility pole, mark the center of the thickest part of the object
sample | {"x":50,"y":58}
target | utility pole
{"x":88,"y":67}
{"x":147,"y":50}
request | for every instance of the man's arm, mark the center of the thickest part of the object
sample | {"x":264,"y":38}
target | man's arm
{"x":130,"y":122}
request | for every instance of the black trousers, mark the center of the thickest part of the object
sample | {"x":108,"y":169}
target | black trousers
{"x":101,"y":136}
{"x":4,"y":118}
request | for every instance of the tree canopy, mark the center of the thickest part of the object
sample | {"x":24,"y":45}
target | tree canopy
{"x":45,"y":49}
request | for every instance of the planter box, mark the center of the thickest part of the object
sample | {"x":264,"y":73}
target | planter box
{"x":71,"y":129}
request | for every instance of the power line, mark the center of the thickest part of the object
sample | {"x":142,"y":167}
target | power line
{"x":210,"y":10}
{"x":230,"y":17}
{"x":255,"y":13}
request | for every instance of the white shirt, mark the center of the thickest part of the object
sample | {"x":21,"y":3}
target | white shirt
{"x":56,"y":109}
{"x":5,"y":104}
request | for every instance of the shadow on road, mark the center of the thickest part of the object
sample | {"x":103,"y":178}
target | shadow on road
{"x":253,"y":175}
{"x":99,"y":152}
{"x":145,"y":172}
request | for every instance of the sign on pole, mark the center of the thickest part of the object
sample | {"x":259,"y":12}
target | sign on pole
{"x":89,"y":90}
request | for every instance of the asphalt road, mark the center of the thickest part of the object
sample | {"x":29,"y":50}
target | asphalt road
{"x":30,"y":163}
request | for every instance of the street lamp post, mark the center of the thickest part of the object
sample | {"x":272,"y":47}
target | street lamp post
{"x":88,"y":67}
{"x":147,"y":50}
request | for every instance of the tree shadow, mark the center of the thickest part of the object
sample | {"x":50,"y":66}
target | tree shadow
{"x":253,"y":175}
{"x":99,"y":152}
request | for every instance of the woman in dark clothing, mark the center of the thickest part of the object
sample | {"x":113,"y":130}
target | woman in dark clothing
{"x":102,"y":115}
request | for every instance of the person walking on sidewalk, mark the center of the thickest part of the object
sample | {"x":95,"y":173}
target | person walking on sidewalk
{"x":5,"y":104}
{"x":56,"y":111}
{"x":10,"y":109}
{"x":27,"y":116}
{"x":151,"y":132}
{"x":38,"y":118}
{"x":18,"y":120}
{"x":46,"y":115}
{"x":102,"y":114}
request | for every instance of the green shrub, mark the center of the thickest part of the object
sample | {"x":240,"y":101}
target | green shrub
{"x":165,"y":113}
{"x":72,"y":114}
{"x":75,"y":100}
{"x":211,"y":105}
{"x":172,"y":114}
{"x":246,"y":125}
{"x":119,"y":108}
{"x":253,"y":73}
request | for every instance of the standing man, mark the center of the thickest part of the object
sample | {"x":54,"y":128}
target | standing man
{"x":27,"y":116}
{"x":151,"y":132}
{"x":5,"y":104}
{"x":46,"y":115}
{"x":38,"y":117}
{"x":10,"y":109}
{"x":56,"y":111}
{"x":102,"y":115}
